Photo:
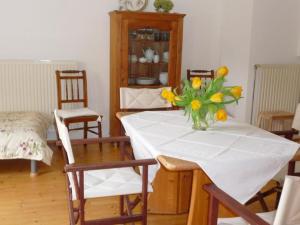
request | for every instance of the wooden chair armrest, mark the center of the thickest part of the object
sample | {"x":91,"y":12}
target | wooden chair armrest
{"x":286,"y":133}
{"x":97,"y":140}
{"x":109,"y":165}
{"x":217,"y":195}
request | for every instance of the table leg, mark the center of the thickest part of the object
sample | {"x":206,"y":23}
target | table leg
{"x":199,"y":199}
{"x":198,"y":214}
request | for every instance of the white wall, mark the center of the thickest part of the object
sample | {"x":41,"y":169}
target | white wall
{"x":275,"y":31}
{"x":257,"y":32}
{"x":201,"y":33}
{"x":79,"y":30}
{"x":235,"y":45}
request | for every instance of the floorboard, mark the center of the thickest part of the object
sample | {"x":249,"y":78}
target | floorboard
{"x":42,"y":200}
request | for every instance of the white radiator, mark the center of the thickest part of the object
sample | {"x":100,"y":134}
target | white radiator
{"x":30,"y":85}
{"x":276,"y":88}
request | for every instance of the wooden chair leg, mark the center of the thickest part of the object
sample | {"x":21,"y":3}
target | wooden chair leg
{"x":262,"y":202}
{"x":145,"y":195}
{"x":291,"y":168}
{"x":85,"y":131}
{"x":100,"y":133}
{"x":278,"y":195}
{"x":122,"y":205}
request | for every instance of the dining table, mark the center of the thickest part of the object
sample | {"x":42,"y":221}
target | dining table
{"x":238,"y":157}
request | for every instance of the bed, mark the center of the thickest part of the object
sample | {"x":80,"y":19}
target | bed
{"x":23,"y":136}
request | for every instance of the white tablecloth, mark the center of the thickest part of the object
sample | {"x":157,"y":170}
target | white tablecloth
{"x":239,"y":158}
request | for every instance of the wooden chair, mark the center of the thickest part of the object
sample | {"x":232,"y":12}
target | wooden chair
{"x":142,"y":99}
{"x":288,"y":211}
{"x":289,"y":134}
{"x":72,"y":89}
{"x":205,"y":75}
{"x":271,"y":117}
{"x":116,"y":178}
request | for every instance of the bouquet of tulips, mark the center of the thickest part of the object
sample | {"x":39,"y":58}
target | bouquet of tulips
{"x":205,"y":103}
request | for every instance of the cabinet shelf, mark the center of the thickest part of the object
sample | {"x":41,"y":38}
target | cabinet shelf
{"x":147,"y":86}
{"x":149,"y":64}
{"x":148,"y":41}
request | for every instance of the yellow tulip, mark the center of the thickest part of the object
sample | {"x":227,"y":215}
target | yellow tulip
{"x":236,"y":91}
{"x":221,"y":115}
{"x":196,"y":82}
{"x":217,"y":98}
{"x":222,"y":71}
{"x":196,"y":105}
{"x":170,"y":97}
{"x":164,"y":93}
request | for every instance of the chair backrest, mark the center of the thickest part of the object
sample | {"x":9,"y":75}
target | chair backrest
{"x":64,"y":137}
{"x":288,"y":211}
{"x":296,"y":121}
{"x":205,"y":75}
{"x":142,"y":98}
{"x":71,"y":87}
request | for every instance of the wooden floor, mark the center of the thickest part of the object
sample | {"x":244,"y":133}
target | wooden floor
{"x":42,"y":200}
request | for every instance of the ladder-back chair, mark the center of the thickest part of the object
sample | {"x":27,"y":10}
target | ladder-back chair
{"x":117,"y":178}
{"x":72,"y":89}
{"x":205,"y":75}
{"x":288,"y":134}
{"x":288,"y":211}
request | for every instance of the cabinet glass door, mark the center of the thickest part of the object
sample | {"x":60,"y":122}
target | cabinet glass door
{"x":148,"y":57}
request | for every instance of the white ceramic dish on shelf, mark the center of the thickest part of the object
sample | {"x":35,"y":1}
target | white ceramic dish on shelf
{"x":145,"y":80}
{"x":163,"y":78}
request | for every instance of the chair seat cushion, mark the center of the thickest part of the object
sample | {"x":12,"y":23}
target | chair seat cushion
{"x":110,"y":182}
{"x":268,"y":217}
{"x":72,"y":113}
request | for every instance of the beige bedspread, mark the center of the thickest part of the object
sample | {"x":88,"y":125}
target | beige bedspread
{"x":23,"y":136}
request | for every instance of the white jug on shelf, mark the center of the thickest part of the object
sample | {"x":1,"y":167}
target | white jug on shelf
{"x":163,"y":78}
{"x":166,"y":57}
{"x":149,"y":54}
{"x":156,"y":58}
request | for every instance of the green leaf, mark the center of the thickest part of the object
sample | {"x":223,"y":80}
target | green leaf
{"x":212,"y":108}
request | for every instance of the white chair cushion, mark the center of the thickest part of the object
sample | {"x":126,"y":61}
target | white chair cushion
{"x":71,"y":113}
{"x":143,"y":98}
{"x":268,"y":217}
{"x":110,"y":182}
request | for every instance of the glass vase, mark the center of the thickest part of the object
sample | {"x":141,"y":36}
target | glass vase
{"x":200,"y":123}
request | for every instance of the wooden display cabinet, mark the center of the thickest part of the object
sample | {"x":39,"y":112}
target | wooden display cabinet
{"x":144,"y":47}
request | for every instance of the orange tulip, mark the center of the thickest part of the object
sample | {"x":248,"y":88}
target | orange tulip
{"x":221,"y":115}
{"x":236,"y":91}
